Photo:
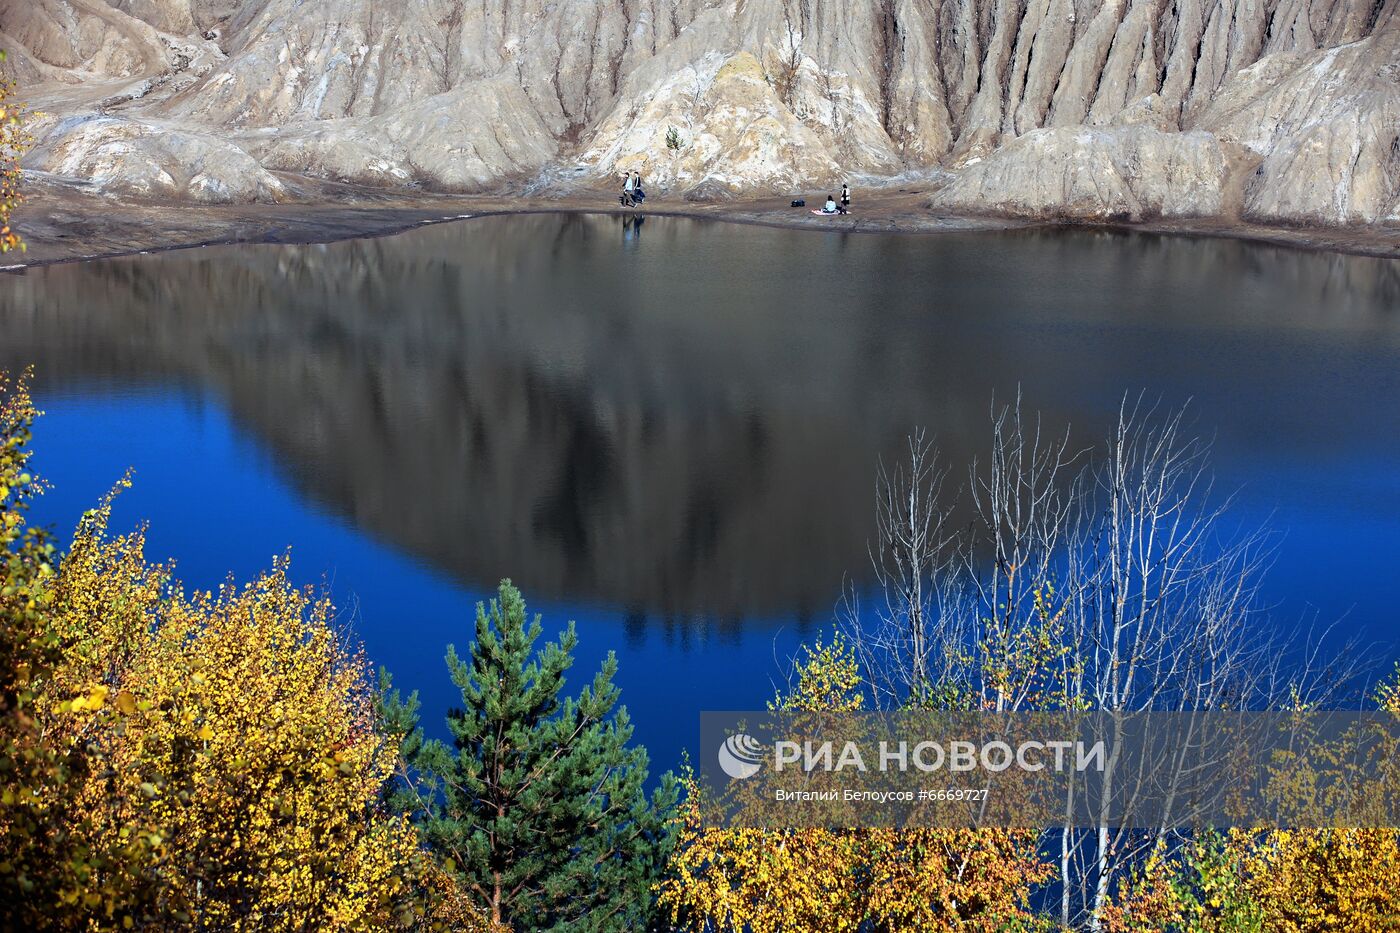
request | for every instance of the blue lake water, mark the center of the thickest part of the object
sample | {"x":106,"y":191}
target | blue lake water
{"x":669,"y":433}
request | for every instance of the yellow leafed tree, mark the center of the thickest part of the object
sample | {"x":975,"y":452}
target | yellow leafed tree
{"x":13,"y":141}
{"x":798,"y":880}
{"x":1315,"y":880}
{"x":204,"y":761}
{"x":243,"y":735}
{"x":1333,"y":880}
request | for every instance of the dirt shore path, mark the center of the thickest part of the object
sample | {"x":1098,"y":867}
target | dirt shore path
{"x":63,"y":222}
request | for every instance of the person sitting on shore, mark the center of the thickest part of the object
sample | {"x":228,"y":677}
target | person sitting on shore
{"x":830,"y":207}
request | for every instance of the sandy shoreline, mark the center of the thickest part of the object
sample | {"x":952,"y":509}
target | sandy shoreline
{"x":63,"y":223}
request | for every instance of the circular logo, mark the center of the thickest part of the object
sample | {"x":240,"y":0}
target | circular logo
{"x":741,"y":756}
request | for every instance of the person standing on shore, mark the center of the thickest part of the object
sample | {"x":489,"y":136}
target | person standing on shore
{"x":845,"y":197}
{"x":627,"y":190}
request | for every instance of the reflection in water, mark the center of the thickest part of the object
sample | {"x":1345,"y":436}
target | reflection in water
{"x":689,"y":423}
{"x":632,"y":228}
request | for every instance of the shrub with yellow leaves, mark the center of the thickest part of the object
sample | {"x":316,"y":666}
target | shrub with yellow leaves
{"x":41,"y":860}
{"x":243,"y":734}
{"x":1338,"y":879}
{"x":1325,"y":881}
{"x":1281,"y":881}
{"x":174,"y":761}
{"x":797,"y":880}
{"x":1200,"y":888}
{"x":1313,"y":880}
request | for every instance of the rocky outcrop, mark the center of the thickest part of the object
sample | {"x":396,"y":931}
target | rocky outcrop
{"x":85,"y":36}
{"x":728,"y":132}
{"x":1328,"y":126}
{"x":148,"y":160}
{"x":1132,"y":173}
{"x":1058,"y":107}
{"x":487,"y":132}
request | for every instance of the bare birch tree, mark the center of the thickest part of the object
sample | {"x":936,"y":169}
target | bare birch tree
{"x":1109,"y":580}
{"x":911,"y":559}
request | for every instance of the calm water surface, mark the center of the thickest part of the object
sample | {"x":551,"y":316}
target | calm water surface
{"x":669,"y":432}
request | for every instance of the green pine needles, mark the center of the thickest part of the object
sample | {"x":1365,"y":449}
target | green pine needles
{"x":539,"y":805}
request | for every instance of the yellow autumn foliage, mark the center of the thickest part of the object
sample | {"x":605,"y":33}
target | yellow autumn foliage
{"x":1313,"y":880}
{"x":1326,"y":881}
{"x":247,"y":741}
{"x":799,"y":880}
{"x":14,"y":140}
{"x":218,"y":764}
{"x":1331,"y":880}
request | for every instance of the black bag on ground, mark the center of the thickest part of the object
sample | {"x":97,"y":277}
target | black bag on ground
{"x":799,"y":202}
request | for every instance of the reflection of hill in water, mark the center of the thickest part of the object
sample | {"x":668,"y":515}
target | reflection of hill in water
{"x":687,"y":422}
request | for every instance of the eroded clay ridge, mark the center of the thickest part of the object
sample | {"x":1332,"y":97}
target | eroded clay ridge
{"x":1271,"y":110}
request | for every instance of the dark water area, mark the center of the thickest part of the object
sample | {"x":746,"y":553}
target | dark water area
{"x":670,"y":431}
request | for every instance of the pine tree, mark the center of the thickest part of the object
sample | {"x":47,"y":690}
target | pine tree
{"x":539,"y":804}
